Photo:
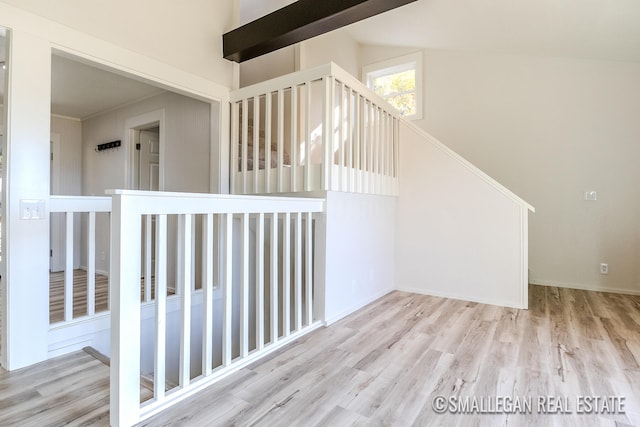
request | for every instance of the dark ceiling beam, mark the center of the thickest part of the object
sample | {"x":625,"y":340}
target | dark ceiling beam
{"x":299,"y":21}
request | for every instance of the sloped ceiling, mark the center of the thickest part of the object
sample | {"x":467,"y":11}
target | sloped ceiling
{"x":599,"y":29}
{"x":602,"y":29}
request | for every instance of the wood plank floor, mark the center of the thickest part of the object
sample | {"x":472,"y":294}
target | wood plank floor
{"x":385,"y":364}
{"x":67,"y":390}
{"x":56,"y":294}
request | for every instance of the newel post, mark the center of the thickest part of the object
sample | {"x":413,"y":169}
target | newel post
{"x":124,"y":278}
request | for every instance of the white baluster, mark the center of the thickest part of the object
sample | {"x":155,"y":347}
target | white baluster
{"x":160,"y":308}
{"x":91,"y":264}
{"x":260,"y":283}
{"x":274,"y":278}
{"x":185,"y":300}
{"x":207,"y":296}
{"x":244,"y":286}
{"x":68,"y":269}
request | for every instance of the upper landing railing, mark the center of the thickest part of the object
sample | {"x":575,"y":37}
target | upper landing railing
{"x":313,"y":130}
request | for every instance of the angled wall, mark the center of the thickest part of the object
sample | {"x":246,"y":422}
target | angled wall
{"x":459,"y":234}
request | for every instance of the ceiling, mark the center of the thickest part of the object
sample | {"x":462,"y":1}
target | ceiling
{"x":600,"y":29}
{"x":79,"y":90}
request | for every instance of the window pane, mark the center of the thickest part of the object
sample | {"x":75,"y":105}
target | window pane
{"x":395,"y":83}
{"x":394,"y":88}
{"x":405,"y":103}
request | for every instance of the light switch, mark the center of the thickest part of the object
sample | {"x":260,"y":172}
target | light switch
{"x":32,"y":209}
{"x":591,"y":195}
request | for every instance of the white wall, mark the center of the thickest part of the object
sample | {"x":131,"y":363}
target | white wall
{"x":269,"y":66}
{"x":359,"y":253}
{"x":250,"y":10}
{"x":70,"y":131}
{"x":458,"y":234}
{"x":178,"y":49}
{"x":335,"y":46}
{"x":187,"y":37}
{"x":549,"y":129}
{"x":186,"y":153}
{"x":310,"y":53}
{"x":25,"y":243}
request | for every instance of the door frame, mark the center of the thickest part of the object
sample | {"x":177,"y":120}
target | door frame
{"x":56,"y":233}
{"x":134,"y":124}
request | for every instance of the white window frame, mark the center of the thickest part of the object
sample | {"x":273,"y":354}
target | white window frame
{"x":398,"y":65}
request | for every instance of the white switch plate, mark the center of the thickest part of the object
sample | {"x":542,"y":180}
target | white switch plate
{"x":591,"y":195}
{"x":32,"y":209}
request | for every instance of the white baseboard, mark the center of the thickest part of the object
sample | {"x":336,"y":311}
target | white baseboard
{"x":356,"y":307}
{"x":101,"y":272}
{"x":433,"y":293}
{"x":583,"y":287}
{"x":61,"y":350}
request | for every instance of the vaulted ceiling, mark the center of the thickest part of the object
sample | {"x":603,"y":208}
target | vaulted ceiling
{"x":599,"y":29}
{"x":607,"y":29}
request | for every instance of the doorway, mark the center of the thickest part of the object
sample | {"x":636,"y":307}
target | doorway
{"x":57,"y":223}
{"x":146,"y":163}
{"x":146,"y":142}
{"x":145,"y":151}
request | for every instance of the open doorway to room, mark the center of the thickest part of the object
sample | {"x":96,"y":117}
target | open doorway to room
{"x":115,"y":131}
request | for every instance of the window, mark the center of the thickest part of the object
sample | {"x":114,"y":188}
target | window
{"x":399,"y":82}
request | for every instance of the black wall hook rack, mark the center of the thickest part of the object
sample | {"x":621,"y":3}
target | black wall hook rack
{"x":108,"y":146}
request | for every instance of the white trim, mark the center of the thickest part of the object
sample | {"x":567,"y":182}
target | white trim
{"x":133,"y":123}
{"x":68,"y":41}
{"x":60,"y":116}
{"x":125,"y":104}
{"x":396,"y":65}
{"x":66,"y":337}
{"x":355,"y":307}
{"x":583,"y":287}
{"x":100,"y":272}
{"x":56,"y":226}
{"x":460,"y":297}
{"x":464,"y":162}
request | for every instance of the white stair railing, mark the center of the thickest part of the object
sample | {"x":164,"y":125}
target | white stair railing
{"x":313,"y":130}
{"x":72,"y":207}
{"x":256,"y":291}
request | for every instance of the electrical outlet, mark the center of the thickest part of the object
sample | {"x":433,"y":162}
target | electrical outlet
{"x":604,"y":268}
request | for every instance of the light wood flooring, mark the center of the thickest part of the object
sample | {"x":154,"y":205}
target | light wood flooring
{"x":67,"y":390}
{"x":56,"y":294}
{"x":384,"y":365}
